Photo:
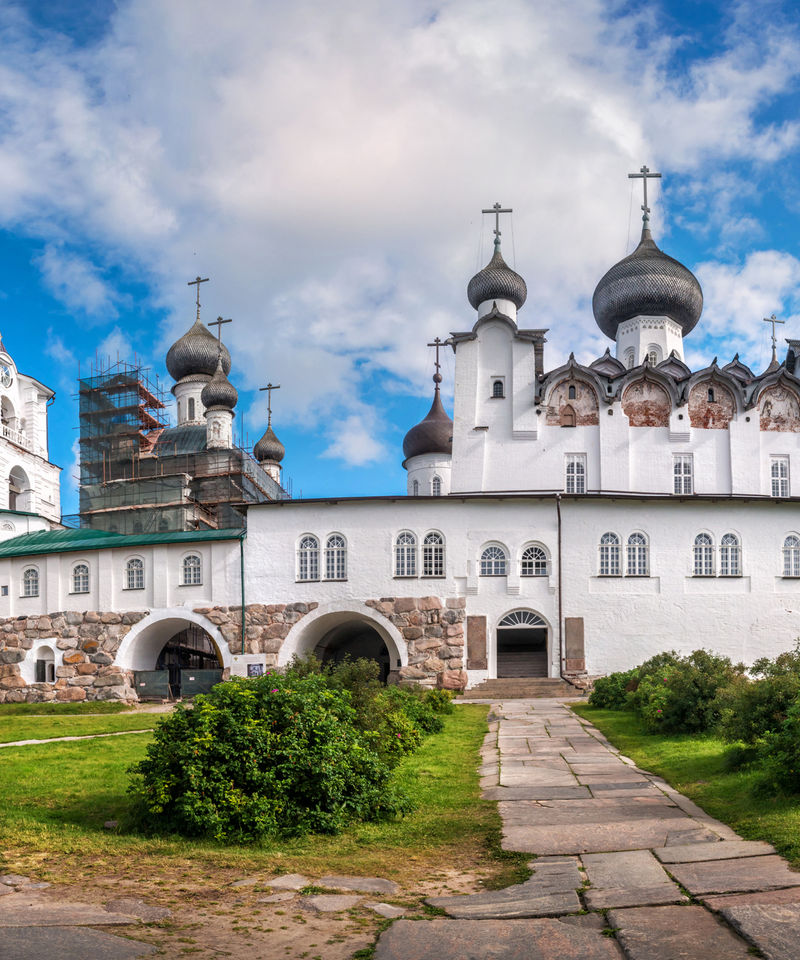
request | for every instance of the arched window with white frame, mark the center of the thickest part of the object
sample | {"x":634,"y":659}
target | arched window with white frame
{"x":433,"y":554}
{"x":730,"y":556}
{"x":637,"y":559}
{"x":80,"y":578}
{"x":630,"y":358}
{"x":436,"y":486}
{"x":609,"y":555}
{"x":308,"y":558}
{"x":415,"y":488}
{"x":533,"y":562}
{"x":791,"y":556}
{"x":134,"y":574}
{"x":30,"y":582}
{"x":335,"y":557}
{"x":405,"y":554}
{"x":191,"y":570}
{"x":494,"y":562}
{"x":703,"y":555}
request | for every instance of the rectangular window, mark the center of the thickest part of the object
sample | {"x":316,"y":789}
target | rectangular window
{"x":575,"y":473}
{"x":682,"y":473}
{"x":779,"y":476}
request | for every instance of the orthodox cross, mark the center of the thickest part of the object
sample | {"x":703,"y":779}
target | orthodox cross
{"x":218,"y":324}
{"x":497,"y":209}
{"x":437,"y":377}
{"x":196,"y":282}
{"x":644,"y":174}
{"x":773,"y":320}
{"x":269,"y":388}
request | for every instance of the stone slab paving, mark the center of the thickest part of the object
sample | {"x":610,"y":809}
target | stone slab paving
{"x":676,"y":933}
{"x":723,"y":850}
{"x":28,"y":910}
{"x":359,"y":884}
{"x":775,"y":927}
{"x":68,"y":943}
{"x":629,"y":879}
{"x":735,"y":876}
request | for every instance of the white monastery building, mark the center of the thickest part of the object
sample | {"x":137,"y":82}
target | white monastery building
{"x":565,"y":523}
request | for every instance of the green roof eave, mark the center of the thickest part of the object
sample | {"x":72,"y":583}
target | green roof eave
{"x":72,"y":541}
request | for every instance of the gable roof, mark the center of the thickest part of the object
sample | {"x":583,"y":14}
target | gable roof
{"x":71,"y":541}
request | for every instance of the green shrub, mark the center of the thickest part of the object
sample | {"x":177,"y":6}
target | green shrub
{"x":750,"y":709}
{"x":612,"y":692}
{"x":279,"y":754}
{"x":781,"y":751}
{"x":441,"y":701}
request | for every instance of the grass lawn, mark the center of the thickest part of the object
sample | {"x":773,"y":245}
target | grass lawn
{"x":40,"y":728}
{"x":698,"y":766}
{"x":56,"y":797}
{"x":63,"y":709}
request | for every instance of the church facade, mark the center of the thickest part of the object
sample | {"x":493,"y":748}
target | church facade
{"x":566,"y":522}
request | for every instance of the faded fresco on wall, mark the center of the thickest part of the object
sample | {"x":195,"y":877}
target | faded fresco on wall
{"x":711,"y":406}
{"x":646,"y":404}
{"x":779,"y":409}
{"x":580,"y":410}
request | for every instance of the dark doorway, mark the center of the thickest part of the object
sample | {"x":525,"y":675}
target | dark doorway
{"x":190,"y":661}
{"x":354,"y":639}
{"x":522,"y":645}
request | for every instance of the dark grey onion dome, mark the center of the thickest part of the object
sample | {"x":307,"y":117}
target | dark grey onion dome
{"x":497,"y":281}
{"x":219,"y":391}
{"x":647,"y":283}
{"x":434,"y":434}
{"x":196,"y":352}
{"x":269,"y":447}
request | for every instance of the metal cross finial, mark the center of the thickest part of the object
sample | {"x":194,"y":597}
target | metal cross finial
{"x":644,"y":174}
{"x":269,"y":388}
{"x":437,"y":377}
{"x":218,"y":324}
{"x":497,"y":209}
{"x":773,"y":320}
{"x":196,"y":282}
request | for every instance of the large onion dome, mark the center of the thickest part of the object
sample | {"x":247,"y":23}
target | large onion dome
{"x":269,"y":447}
{"x":434,"y":434}
{"x":647,"y":283}
{"x":196,"y":352}
{"x":219,"y":391}
{"x":497,"y":281}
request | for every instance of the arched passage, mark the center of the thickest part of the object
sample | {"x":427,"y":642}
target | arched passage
{"x":354,"y":639}
{"x":522,"y":646}
{"x":19,"y":490}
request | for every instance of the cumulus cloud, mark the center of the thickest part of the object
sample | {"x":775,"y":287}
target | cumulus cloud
{"x":76,"y":282}
{"x":354,"y":441}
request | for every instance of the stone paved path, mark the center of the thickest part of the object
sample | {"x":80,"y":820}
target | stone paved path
{"x":660,"y":878}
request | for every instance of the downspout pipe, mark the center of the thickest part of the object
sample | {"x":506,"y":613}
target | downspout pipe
{"x":241,"y":578}
{"x":560,"y":602}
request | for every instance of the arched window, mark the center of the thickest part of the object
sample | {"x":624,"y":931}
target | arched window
{"x":571,"y":392}
{"x":493,"y":562}
{"x":497,"y":389}
{"x":191,"y":409}
{"x":335,"y":557}
{"x":436,"y":486}
{"x":308,"y":558}
{"x":534,"y":562}
{"x":652,"y":357}
{"x":703,"y":555}
{"x":405,"y":555}
{"x":711,"y":395}
{"x":433,"y":555}
{"x":415,"y":488}
{"x":791,"y":556}
{"x":609,"y":555}
{"x":134,"y":574}
{"x":567,"y":415}
{"x":730,"y":556}
{"x":630,"y":358}
{"x":80,"y":578}
{"x":637,"y":559}
{"x":192,"y":572}
{"x":30,"y":582}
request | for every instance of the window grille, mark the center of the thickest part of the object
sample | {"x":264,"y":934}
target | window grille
{"x":30,"y":582}
{"x":493,"y":562}
{"x":730,"y":556}
{"x":497,"y":389}
{"x":433,"y":555}
{"x":791,"y":556}
{"x":629,"y":358}
{"x":779,"y":475}
{"x":405,"y":555}
{"x":534,"y":562}
{"x":80,"y":578}
{"x":522,"y":618}
{"x":652,"y":357}
{"x":335,"y":558}
{"x":609,"y":555}
{"x":436,"y":486}
{"x":575,"y":480}
{"x":637,"y":558}
{"x":192,"y":570}
{"x":682,"y":473}
{"x":134,"y":574}
{"x":703,"y":555}
{"x":308,"y":559}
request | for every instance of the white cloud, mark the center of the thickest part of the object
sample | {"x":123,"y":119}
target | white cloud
{"x":354,"y":441}
{"x":76,"y":282}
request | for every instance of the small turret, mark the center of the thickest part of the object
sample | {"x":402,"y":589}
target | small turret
{"x":219,"y":397}
{"x":269,"y":451}
{"x":428,"y":446}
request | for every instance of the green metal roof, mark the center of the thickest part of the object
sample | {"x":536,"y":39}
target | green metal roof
{"x":68,"y":541}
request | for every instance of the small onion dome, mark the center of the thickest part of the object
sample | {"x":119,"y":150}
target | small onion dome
{"x":434,"y":434}
{"x":497,"y":281}
{"x":269,"y":447}
{"x":219,"y":391}
{"x":196,"y":352}
{"x":647,"y":283}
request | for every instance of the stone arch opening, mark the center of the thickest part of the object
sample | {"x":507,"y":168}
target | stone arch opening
{"x":19,"y":491}
{"x":44,"y":665}
{"x":522,"y":645}
{"x":355,"y":639}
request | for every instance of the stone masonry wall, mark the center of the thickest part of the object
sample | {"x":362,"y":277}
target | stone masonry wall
{"x":266,"y":626}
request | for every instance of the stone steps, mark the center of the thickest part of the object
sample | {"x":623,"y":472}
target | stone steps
{"x":520,"y":688}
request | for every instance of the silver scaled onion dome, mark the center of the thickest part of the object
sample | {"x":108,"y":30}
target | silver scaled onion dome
{"x":269,"y":447}
{"x":647,"y":283}
{"x":219,"y":391}
{"x":196,"y":352}
{"x":434,"y":434}
{"x":497,"y":281}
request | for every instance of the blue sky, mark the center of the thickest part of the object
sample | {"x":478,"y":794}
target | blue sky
{"x":325,"y":165}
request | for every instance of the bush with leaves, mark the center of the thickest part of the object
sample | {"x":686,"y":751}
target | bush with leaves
{"x":612,"y":692}
{"x":280,"y":754}
{"x":750,"y":709}
{"x":781,"y":753}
